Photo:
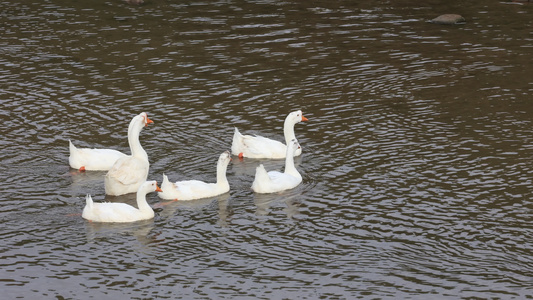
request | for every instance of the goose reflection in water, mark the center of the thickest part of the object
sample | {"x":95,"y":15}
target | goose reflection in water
{"x":266,"y":203}
{"x":166,"y":210}
{"x":140,"y":230}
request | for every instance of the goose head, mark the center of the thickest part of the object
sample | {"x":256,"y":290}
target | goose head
{"x":225,"y":157}
{"x":296,"y":117}
{"x":145,"y":119}
{"x":138,"y":122}
{"x":293,"y":145}
{"x":149,"y":186}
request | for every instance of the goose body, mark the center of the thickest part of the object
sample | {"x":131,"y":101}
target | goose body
{"x":129,"y":172}
{"x":121,"y":212}
{"x":274,"y":181}
{"x":261,"y":147}
{"x":196,"y":189}
{"x":92,"y":159}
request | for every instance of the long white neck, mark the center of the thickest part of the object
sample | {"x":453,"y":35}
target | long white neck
{"x":221,"y":174}
{"x":134,"y":131}
{"x":288,"y":130}
{"x":289,"y":161}
{"x":142,"y":204}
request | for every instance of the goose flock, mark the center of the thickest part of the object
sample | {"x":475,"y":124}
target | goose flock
{"x":128,"y":173}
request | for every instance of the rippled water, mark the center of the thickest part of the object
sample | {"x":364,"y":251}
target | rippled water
{"x":417,"y":158}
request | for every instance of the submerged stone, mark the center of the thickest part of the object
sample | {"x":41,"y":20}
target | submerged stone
{"x":448,"y":19}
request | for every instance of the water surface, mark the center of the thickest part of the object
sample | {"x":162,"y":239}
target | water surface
{"x":417,"y":157}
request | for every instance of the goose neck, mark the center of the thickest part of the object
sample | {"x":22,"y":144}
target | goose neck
{"x":221,"y":174}
{"x":134,"y":142}
{"x":289,"y":163}
{"x":142,"y":204}
{"x":288,"y":131}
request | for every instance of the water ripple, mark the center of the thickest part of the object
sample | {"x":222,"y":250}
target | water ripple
{"x":416,"y":165}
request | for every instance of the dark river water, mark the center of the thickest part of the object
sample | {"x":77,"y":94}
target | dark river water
{"x":417,"y":157}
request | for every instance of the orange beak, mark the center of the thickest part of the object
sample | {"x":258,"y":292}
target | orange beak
{"x":158,"y":189}
{"x":148,"y":121}
{"x":304,"y":119}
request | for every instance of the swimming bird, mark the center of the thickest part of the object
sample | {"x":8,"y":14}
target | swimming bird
{"x":121,"y":212}
{"x":92,"y":159}
{"x":261,"y":147}
{"x":129,"y":172}
{"x":196,"y":189}
{"x":97,"y":159}
{"x":274,"y":181}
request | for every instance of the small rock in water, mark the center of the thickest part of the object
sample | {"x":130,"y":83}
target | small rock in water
{"x":134,"y":2}
{"x":448,"y":19}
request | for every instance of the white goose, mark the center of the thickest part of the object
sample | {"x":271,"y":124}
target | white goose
{"x":261,"y":147}
{"x":95,"y":159}
{"x":274,"y":181}
{"x":92,"y":159}
{"x":129,"y":172}
{"x":121,"y":212}
{"x":195,"y":189}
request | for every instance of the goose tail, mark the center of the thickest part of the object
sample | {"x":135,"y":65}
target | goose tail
{"x":261,"y":178}
{"x":88,"y":201}
{"x":166,"y":185}
{"x":71,"y":146}
{"x":261,"y":173}
{"x":165,"y":182}
{"x":236,"y":145}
